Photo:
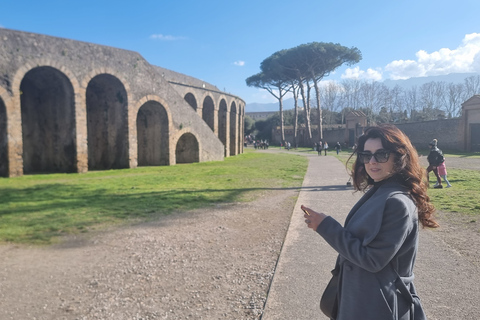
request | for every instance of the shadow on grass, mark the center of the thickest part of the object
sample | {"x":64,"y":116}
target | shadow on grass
{"x":48,"y":211}
{"x":54,"y":197}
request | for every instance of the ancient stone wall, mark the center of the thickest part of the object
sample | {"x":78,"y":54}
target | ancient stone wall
{"x":448,"y":132}
{"x":70,"y":106}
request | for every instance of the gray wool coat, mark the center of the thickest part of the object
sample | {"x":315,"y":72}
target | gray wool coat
{"x":380,"y":237}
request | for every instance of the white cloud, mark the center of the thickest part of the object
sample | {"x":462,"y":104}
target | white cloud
{"x":356,"y":73}
{"x":164,"y":37}
{"x":464,"y":59}
{"x":239,"y":63}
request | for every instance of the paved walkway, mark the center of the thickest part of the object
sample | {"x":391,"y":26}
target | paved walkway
{"x":446,"y":281}
{"x":305,"y":262}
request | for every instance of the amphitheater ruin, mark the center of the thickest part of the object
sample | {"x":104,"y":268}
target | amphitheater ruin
{"x":69,"y":106}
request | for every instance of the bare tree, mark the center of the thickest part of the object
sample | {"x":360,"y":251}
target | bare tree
{"x":331,"y":95}
{"x":455,"y":92}
{"x":412,"y":102}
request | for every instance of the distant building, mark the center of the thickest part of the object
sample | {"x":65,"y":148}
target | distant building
{"x":260,"y":115}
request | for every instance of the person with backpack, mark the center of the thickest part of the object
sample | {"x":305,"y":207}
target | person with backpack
{"x":435,"y":158}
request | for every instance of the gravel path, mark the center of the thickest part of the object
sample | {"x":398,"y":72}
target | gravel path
{"x":214,"y":263}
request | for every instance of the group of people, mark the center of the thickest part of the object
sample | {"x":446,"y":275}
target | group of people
{"x":260,"y":144}
{"x":323,"y":145}
{"x":378,"y":242}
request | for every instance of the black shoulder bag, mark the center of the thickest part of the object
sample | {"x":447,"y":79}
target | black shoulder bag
{"x":329,"y":300}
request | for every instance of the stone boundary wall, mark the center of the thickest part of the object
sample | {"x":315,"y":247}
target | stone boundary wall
{"x":448,"y":132}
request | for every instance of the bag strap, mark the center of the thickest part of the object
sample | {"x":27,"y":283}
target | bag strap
{"x":402,"y":287}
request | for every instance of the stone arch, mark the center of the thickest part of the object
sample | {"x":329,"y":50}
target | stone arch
{"x":240,"y":129}
{"x":222,"y":123}
{"x":208,"y":112}
{"x":152,"y":134}
{"x":233,"y":128}
{"x":187,"y":149}
{"x":3,"y":140}
{"x":107,"y":122}
{"x":47,"y":104}
{"x":191,"y":100}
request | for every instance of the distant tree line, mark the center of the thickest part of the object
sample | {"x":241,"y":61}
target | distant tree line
{"x":430,"y":101}
{"x":380,"y":103}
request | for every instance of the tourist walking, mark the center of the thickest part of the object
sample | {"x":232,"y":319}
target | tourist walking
{"x":378,"y":243}
{"x":325,"y":147}
{"x":320,"y":147}
{"x":338,"y":147}
{"x":435,"y":158}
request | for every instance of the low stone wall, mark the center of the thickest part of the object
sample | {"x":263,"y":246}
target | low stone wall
{"x":448,"y":132}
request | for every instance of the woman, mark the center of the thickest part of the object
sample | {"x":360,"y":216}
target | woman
{"x":378,"y":243}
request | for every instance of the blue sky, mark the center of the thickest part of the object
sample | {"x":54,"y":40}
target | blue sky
{"x":223,"y":42}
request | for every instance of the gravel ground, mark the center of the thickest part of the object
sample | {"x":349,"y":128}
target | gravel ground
{"x":214,"y":263}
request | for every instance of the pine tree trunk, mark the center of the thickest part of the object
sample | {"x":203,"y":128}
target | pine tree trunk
{"x":295,"y":119}
{"x":282,"y":122}
{"x":319,"y":116}
{"x":306,"y":108}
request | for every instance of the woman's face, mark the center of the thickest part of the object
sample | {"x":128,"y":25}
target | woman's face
{"x":376,"y":170}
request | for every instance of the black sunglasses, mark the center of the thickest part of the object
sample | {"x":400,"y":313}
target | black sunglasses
{"x":381,"y":156}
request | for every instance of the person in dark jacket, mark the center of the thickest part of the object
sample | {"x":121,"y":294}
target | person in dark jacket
{"x":378,"y":243}
{"x":338,"y":147}
{"x":435,"y":158}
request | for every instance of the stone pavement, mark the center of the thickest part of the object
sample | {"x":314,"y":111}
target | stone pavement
{"x":446,"y":279}
{"x":303,"y":269}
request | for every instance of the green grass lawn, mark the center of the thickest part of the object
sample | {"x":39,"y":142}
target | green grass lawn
{"x":39,"y":208}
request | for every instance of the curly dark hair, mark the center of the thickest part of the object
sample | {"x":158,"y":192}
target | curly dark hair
{"x":407,"y":169}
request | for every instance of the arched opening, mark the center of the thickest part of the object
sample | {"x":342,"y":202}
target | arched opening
{"x":233,"y":128}
{"x":107,"y":123}
{"x":152,"y":134}
{"x":190,"y":98}
{"x":3,"y":140}
{"x":240,"y":136}
{"x":222,"y":124}
{"x":208,"y":112}
{"x":187,"y":150}
{"x":48,"y":121}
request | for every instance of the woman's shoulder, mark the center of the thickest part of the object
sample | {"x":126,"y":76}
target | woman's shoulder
{"x":394,"y":188}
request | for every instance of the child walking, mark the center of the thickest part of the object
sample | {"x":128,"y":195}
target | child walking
{"x":442,"y":172}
